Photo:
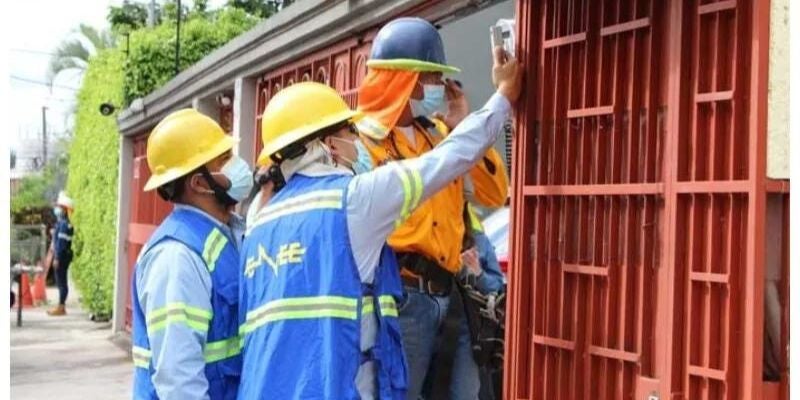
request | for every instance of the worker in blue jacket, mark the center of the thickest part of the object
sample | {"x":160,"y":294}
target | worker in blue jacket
{"x":186,"y":285}
{"x":320,"y":289}
{"x":62,"y":250}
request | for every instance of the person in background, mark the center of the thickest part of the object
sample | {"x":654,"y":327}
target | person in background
{"x":62,"y":250}
{"x":186,"y":283}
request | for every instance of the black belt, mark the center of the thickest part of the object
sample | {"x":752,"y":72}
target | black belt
{"x":430,"y":277}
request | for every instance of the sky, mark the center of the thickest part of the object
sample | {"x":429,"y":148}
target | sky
{"x":34,"y":28}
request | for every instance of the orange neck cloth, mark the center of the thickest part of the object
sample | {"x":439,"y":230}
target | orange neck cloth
{"x":384,"y":93}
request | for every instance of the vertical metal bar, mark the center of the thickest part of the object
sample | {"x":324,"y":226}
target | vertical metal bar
{"x":671,"y":300}
{"x":178,"y":40}
{"x":711,"y":156}
{"x":628,"y":263}
{"x":754,"y":275}
{"x":667,"y":319}
{"x":708,"y":249}
{"x":690,"y":310}
{"x":784,"y":290}
{"x":728,"y":234}
{"x":537,"y":17}
{"x":511,"y":370}
{"x":691,"y":158}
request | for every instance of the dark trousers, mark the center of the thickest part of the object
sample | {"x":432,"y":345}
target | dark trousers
{"x":61,"y":280}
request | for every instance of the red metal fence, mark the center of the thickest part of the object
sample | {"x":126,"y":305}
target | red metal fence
{"x":341,"y":66}
{"x":639,"y":202}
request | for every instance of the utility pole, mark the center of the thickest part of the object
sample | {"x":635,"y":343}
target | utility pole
{"x":151,"y":14}
{"x":178,"y":41}
{"x":44,"y":136}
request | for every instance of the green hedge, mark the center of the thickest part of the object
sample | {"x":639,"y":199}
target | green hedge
{"x":94,"y":152}
{"x":151,"y":62}
{"x":92,"y":182}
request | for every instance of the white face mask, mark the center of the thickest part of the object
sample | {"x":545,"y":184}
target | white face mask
{"x":239,"y":174}
{"x":432,"y":99}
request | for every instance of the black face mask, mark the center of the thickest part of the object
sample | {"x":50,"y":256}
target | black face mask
{"x":220,"y":193}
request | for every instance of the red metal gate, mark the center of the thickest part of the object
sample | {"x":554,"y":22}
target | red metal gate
{"x":639,"y":202}
{"x":341,"y":66}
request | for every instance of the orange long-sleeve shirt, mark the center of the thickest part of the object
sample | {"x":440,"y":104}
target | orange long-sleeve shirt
{"x":436,"y":228}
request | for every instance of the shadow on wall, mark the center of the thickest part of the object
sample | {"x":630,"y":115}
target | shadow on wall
{"x":467,"y":46}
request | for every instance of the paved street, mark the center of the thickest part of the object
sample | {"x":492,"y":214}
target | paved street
{"x":67,"y":357}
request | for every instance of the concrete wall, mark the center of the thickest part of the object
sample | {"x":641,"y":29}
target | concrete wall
{"x":467,"y":46}
{"x":778,"y":98}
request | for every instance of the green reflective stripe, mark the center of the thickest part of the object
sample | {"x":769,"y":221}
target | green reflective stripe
{"x":367,"y":305}
{"x":141,"y":363}
{"x":388,"y":306}
{"x":195,"y":318}
{"x":412,"y":190}
{"x":141,"y":357}
{"x":418,"y":188}
{"x":410,"y":64}
{"x":215,"y":242}
{"x":301,"y":308}
{"x":473,"y":219}
{"x":141,"y":351}
{"x":406,"y":194}
{"x":195,"y":311}
{"x":222,"y":349}
{"x":315,"y":200}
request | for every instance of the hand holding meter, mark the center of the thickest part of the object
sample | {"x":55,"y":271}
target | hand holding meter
{"x":502,"y":34}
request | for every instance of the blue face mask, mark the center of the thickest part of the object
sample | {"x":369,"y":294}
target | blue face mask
{"x":364,"y":161}
{"x":432,"y":99}
{"x":58,"y":212}
{"x":238,"y":172}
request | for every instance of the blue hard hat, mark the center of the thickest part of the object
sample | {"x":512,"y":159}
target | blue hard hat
{"x":409,"y":44}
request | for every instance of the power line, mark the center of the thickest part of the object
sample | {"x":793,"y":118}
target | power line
{"x":42,"y":83}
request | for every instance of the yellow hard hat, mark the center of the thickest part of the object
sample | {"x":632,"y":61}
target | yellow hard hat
{"x":182,"y":142}
{"x":299,"y":111}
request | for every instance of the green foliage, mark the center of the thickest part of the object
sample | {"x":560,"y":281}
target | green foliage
{"x":92,"y":182}
{"x":259,"y":8}
{"x":200,"y":7}
{"x":151,"y":62}
{"x":31,"y":192}
{"x":127,"y":17}
{"x":37,"y":190}
{"x":94,"y":154}
{"x":74,"y":52}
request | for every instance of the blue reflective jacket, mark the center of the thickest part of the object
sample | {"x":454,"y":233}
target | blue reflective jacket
{"x":222,"y":348}
{"x":302,"y":301}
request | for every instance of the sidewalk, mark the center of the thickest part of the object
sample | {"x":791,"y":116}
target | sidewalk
{"x":66,"y":358}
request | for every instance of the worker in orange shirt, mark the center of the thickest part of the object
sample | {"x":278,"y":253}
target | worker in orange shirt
{"x":403,"y":89}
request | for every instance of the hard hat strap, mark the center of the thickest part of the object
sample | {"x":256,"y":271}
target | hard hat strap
{"x":219,"y":192}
